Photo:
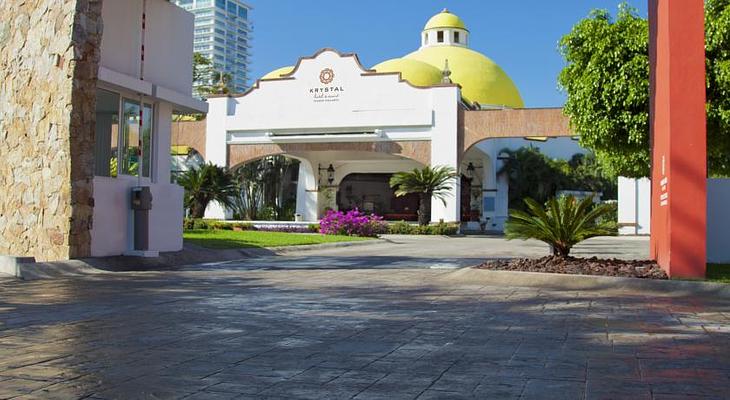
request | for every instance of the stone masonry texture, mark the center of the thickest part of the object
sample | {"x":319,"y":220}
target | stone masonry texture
{"x":49,"y":57}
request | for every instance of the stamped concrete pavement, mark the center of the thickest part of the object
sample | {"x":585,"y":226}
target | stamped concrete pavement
{"x":238,"y":332}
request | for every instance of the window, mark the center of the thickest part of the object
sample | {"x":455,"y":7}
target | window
{"x":232,"y":8}
{"x":107,"y":133}
{"x":242,"y":12}
{"x":440,"y":36}
{"x":130,"y":141}
{"x":220,"y":4}
{"x":457,"y":37}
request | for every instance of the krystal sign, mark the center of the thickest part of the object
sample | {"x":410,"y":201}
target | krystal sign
{"x":326,"y":93}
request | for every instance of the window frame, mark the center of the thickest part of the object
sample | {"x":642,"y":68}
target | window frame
{"x":153,"y":106}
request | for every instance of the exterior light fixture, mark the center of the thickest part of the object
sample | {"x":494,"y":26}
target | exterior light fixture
{"x":470,"y":171}
{"x":503,"y":156}
{"x":330,"y":174}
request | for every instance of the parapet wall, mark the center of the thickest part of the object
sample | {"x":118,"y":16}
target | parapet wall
{"x":49,"y":56}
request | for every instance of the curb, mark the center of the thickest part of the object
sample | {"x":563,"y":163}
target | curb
{"x":257,"y":252}
{"x":12,"y":267}
{"x":584,"y":282}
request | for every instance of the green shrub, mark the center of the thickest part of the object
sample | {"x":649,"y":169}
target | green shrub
{"x":314,"y":228}
{"x":197,"y":223}
{"x":561,"y":223}
{"x":244,"y":226}
{"x":443,"y":228}
{"x":401,"y":228}
{"x":404,"y":228}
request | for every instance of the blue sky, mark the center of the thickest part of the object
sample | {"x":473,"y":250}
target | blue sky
{"x":520,"y":35}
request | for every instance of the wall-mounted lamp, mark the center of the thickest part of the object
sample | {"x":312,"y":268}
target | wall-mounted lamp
{"x":470,"y":171}
{"x":330,"y":173}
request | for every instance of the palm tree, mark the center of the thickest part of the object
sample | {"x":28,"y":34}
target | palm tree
{"x":427,"y":182}
{"x":562,"y":223}
{"x":204,"y":184}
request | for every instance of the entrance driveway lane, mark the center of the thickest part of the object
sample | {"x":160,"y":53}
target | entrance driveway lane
{"x":433,"y":252}
{"x":362,"y":333}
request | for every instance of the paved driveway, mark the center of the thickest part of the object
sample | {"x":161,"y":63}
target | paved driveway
{"x":363,"y":333}
{"x":397,"y":252}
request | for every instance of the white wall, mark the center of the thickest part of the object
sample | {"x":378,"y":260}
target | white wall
{"x":112,"y":233}
{"x":168,"y":52}
{"x":634,"y":206}
{"x":718,"y":221}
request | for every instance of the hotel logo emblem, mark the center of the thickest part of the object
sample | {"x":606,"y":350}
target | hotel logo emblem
{"x":326,"y":76}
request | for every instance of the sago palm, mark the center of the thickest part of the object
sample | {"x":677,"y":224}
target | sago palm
{"x":562,"y":223}
{"x":204,"y":184}
{"x":427,"y":182}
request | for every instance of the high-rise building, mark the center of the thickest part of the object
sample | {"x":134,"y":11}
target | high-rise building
{"x":222,"y":34}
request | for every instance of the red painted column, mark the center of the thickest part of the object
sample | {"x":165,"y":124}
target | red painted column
{"x":679,"y":140}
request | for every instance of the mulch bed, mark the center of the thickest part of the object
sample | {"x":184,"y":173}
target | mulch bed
{"x":580,"y":266}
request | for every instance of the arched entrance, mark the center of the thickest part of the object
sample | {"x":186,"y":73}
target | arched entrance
{"x":371,"y":193}
{"x":267,"y":189}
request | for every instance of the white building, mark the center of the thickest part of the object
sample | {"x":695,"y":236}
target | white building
{"x":163,"y":84}
{"x":352,"y":127}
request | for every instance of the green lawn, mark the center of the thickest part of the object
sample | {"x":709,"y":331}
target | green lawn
{"x":223,"y":239}
{"x":718,"y":273}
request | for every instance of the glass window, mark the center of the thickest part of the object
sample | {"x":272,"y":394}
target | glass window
{"x":440,"y":36}
{"x":107,"y":133}
{"x":242,"y":12}
{"x":457,"y":38}
{"x":220,"y":4}
{"x":130,"y":154}
{"x":232,"y":8}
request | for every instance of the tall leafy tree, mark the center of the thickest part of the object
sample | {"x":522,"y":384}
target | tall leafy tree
{"x":207,"y":79}
{"x":717,"y":27}
{"x":428,"y":183}
{"x":607,"y":82}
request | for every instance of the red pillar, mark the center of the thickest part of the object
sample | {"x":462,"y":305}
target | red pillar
{"x":679,"y":140}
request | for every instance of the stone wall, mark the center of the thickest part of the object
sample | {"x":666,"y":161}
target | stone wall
{"x":189,"y":133}
{"x":49,"y":56}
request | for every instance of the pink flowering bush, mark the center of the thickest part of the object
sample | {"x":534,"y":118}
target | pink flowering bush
{"x":352,"y":223}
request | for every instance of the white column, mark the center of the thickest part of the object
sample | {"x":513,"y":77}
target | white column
{"x":307,"y":191}
{"x":216,"y":146}
{"x":634,"y":206}
{"x":501,"y":212}
{"x":216,"y":135}
{"x":444,"y":150}
{"x":161,"y":144}
{"x":489,"y":194}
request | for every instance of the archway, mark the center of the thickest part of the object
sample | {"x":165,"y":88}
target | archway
{"x":267,"y":188}
{"x":371,"y":193}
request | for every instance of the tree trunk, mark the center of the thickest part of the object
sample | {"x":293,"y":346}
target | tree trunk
{"x":198,"y":209}
{"x":560,"y":251}
{"x":424,"y":209}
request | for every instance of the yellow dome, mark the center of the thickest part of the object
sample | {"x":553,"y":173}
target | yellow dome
{"x":278,"y":73}
{"x":416,"y":72}
{"x":481,"y":79}
{"x":444,"y":19}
